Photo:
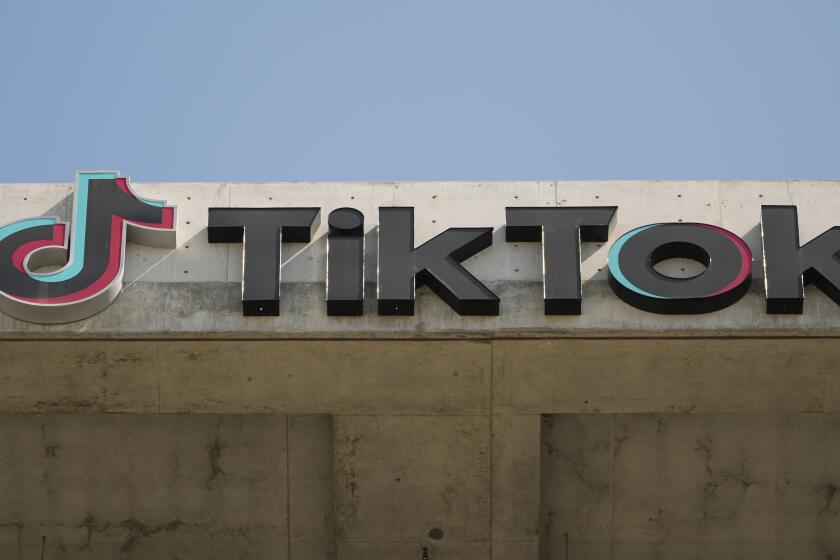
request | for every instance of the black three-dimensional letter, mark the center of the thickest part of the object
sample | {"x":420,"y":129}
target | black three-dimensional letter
{"x":261,"y":231}
{"x":436,"y":263}
{"x":345,"y":262}
{"x":787,"y":266}
{"x":561,"y":231}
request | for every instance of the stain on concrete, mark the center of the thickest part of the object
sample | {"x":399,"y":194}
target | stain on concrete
{"x":436,"y":534}
{"x":103,"y":358}
{"x":138,"y":531}
{"x":133,"y":530}
{"x":704,"y":446}
{"x":350,"y":471}
{"x":89,"y":358}
{"x":718,"y":478}
{"x":660,"y":426}
{"x":345,"y":471}
{"x":830,"y":493}
{"x":214,"y":457}
{"x":190,"y":356}
{"x":91,"y":525}
{"x":66,"y":405}
{"x":659,"y":522}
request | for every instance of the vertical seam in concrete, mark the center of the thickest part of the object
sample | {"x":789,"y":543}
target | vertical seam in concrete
{"x":288,"y":492}
{"x":540,"y":495}
{"x":612,"y":489}
{"x":492,"y":377}
{"x":157,"y":373}
{"x":490,"y":478}
{"x":334,"y":470}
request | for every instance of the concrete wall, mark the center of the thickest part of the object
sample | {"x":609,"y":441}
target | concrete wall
{"x":170,"y":426}
{"x":424,"y":436}
{"x":166,"y":486}
{"x":690,"y":486}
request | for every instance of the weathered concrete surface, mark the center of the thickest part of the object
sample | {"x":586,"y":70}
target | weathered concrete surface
{"x":164,"y":486}
{"x":515,"y":492}
{"x":311,"y":494}
{"x":355,"y":377}
{"x":400,"y":481}
{"x":422,"y":378}
{"x":576,"y":486}
{"x":666,"y":375}
{"x":434,"y":377}
{"x":194,"y":290}
{"x":456,"y":421}
{"x":110,"y":486}
{"x":213,"y":310}
{"x":690,"y":486}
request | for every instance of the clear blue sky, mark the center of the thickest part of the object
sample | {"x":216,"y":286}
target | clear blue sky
{"x":431,"y":89}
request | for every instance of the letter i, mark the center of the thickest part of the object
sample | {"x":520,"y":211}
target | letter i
{"x":346,"y":262}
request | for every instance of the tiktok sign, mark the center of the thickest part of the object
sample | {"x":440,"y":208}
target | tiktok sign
{"x":402,"y":267}
{"x":87,"y":257}
{"x":90,"y":252}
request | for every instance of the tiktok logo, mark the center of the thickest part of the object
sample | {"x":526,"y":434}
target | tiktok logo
{"x":91,"y":255}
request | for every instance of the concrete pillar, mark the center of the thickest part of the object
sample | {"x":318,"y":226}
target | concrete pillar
{"x":311,"y":498}
{"x":515,"y":487}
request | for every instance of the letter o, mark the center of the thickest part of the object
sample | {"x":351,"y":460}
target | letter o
{"x":634,"y":279}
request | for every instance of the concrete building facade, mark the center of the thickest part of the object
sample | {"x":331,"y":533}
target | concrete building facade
{"x":170,"y":425}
